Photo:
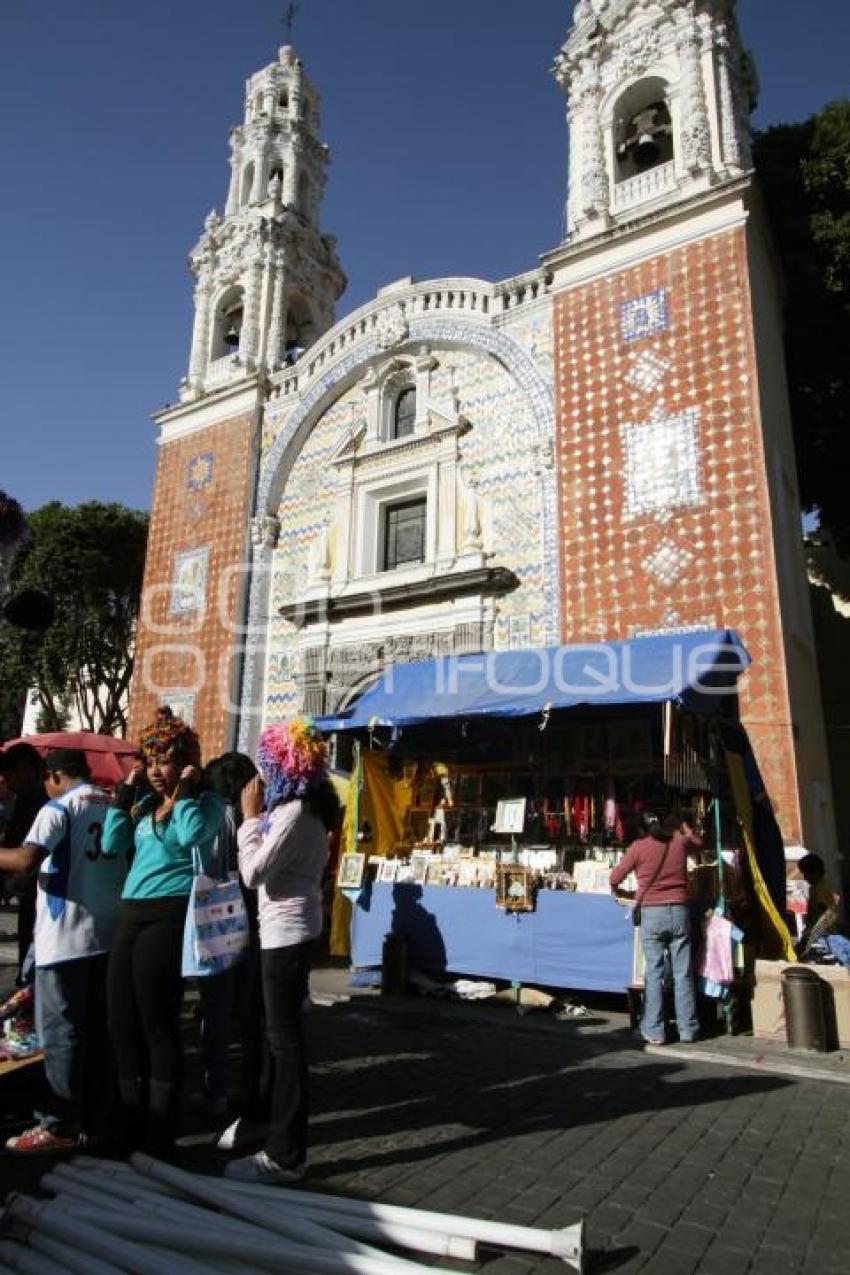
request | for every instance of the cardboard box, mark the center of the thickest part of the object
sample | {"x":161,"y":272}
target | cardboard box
{"x":769,"y":1011}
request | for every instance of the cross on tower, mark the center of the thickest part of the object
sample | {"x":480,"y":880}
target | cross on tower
{"x":289,"y":20}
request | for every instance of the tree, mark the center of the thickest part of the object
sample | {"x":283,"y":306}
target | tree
{"x":89,"y":560}
{"x":804,"y":170}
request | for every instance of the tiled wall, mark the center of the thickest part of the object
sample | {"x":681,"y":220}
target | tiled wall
{"x":665,"y":517}
{"x":201,"y":506}
{"x":503,"y":454}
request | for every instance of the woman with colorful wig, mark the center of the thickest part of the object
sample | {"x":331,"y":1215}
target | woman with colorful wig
{"x":159,"y":819}
{"x":288,"y":812}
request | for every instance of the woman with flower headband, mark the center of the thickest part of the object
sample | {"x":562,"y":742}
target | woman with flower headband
{"x":159,"y":818}
{"x":288,"y":811}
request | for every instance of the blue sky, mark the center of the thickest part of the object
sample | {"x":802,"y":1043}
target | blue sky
{"x":448,"y":156}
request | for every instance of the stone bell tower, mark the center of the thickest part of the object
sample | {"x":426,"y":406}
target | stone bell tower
{"x":678,"y":487}
{"x":266,"y":283}
{"x":267,"y":280}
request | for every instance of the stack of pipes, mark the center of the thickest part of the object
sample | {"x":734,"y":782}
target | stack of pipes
{"x":144,"y":1217}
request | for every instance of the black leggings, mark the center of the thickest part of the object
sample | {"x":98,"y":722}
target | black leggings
{"x":145,"y":989}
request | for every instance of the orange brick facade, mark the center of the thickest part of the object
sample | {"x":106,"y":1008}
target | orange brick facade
{"x":202,"y":500}
{"x":639,"y":554}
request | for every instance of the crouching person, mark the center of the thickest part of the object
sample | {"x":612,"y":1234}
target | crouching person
{"x":76,"y":915}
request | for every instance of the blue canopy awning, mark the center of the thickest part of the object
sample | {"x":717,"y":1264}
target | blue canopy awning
{"x":701,"y":668}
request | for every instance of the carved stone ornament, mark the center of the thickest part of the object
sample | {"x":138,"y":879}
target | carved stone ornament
{"x":265,"y":531}
{"x":391,"y":327}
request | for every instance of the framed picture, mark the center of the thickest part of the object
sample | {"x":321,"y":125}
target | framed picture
{"x":387,"y":870}
{"x":419,"y":864}
{"x":189,"y":581}
{"x":350,"y":874}
{"x":514,"y":888}
{"x":467,"y":870}
{"x":510,"y":816}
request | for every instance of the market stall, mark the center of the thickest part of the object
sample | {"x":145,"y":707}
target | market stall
{"x":493,"y":793}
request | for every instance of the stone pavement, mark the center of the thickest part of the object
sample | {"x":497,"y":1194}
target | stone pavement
{"x":680,"y":1163}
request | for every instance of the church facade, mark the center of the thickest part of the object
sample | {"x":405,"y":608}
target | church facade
{"x":597,"y":449}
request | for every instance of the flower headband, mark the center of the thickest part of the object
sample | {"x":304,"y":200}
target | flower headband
{"x":170,"y":739}
{"x":292,"y":758}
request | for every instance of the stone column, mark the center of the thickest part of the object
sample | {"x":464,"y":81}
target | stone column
{"x":730,"y":140}
{"x":696,"y":135}
{"x":199,"y":356}
{"x":258,"y":187}
{"x":595,"y":187}
{"x":250,"y":337}
{"x":232,"y":204}
{"x":277,"y":282}
{"x":291,"y":169}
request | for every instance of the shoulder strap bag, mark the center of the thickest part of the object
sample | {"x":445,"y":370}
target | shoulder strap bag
{"x":215,"y":935}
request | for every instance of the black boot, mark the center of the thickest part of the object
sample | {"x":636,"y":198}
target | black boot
{"x":163,"y":1098}
{"x":128,"y":1130}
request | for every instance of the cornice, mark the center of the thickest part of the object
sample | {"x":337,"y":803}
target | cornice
{"x":486,"y":581}
{"x":637,"y":226}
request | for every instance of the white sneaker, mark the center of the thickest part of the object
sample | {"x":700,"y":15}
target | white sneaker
{"x":239,"y":1134}
{"x":260,"y":1168}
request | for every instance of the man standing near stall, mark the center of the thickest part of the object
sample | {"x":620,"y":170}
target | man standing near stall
{"x":76,"y":913}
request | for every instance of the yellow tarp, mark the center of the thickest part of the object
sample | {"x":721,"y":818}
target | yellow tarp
{"x":381,"y":801}
{"x":776,"y":940}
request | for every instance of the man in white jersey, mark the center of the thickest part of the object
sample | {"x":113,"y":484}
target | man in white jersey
{"x":76,"y":914}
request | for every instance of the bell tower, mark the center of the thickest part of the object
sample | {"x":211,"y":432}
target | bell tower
{"x":266,"y":279}
{"x":658,"y":102}
{"x":677,"y":478}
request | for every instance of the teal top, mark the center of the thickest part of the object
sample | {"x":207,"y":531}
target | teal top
{"x":162,"y":862}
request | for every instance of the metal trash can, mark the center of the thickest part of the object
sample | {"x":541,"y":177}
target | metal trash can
{"x":394,"y":965}
{"x":802,"y":997}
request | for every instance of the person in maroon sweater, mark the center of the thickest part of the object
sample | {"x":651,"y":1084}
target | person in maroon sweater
{"x":660,"y":862}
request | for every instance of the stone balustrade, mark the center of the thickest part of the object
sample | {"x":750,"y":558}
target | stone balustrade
{"x":645,"y":186}
{"x":472,"y":299}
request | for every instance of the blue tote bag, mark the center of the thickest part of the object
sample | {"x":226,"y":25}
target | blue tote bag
{"x":215,"y":935}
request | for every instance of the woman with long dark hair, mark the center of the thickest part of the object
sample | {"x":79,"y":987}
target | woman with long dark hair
{"x":660,"y":862}
{"x":160,"y":818}
{"x":283,"y":850}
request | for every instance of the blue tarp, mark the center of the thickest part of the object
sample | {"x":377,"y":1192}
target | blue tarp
{"x":695,"y":668}
{"x":580,"y":941}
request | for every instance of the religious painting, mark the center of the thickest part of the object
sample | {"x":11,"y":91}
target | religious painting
{"x":182,"y":705}
{"x":514,"y":888}
{"x":351,"y":867}
{"x":387,"y":871}
{"x":189,"y":581}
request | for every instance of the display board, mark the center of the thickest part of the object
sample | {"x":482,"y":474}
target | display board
{"x":570,"y":940}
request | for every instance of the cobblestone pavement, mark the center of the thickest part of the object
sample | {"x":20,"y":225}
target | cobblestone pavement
{"x":679,"y":1165}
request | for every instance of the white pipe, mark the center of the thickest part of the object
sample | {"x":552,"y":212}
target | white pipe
{"x":561,"y":1243}
{"x":300,"y":1230}
{"x":82,"y":1235}
{"x":20,"y":1258}
{"x":83,"y":1264}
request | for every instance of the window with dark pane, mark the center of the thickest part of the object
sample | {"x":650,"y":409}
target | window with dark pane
{"x":405,"y":413}
{"x":404,"y":533}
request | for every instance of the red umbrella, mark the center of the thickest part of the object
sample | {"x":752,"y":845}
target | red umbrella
{"x":110,"y":759}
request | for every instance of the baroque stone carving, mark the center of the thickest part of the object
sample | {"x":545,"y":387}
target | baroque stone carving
{"x":265,"y":531}
{"x":391,"y":327}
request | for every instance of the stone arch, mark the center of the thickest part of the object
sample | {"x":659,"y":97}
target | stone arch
{"x":278,"y":462}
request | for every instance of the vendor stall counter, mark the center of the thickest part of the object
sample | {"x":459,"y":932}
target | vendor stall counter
{"x":577,"y":941}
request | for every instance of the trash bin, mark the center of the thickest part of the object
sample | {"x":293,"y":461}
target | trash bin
{"x":802,"y":997}
{"x":394,"y":965}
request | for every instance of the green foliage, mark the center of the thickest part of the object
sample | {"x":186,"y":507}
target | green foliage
{"x":805,"y":173}
{"x":90,"y":560}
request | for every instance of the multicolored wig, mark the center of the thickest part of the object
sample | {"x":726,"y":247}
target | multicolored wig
{"x":293,"y":758}
{"x":170,"y":739}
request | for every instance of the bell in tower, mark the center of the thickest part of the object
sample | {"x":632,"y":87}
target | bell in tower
{"x":646,"y":140}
